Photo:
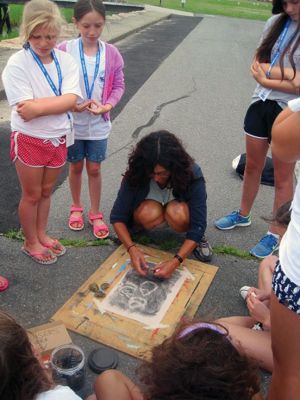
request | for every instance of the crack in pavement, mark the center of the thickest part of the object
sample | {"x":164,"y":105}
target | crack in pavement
{"x":154,"y":117}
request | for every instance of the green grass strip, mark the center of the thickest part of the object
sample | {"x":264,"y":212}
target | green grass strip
{"x":233,"y":251}
{"x":165,"y":245}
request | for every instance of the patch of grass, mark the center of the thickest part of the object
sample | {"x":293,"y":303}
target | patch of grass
{"x":164,"y":244}
{"x":14,"y":33}
{"x":169,"y":244}
{"x":18,"y":235}
{"x":233,"y":251}
{"x":85,"y":243}
{"x":260,"y":10}
{"x":14,"y":234}
{"x":15,"y":15}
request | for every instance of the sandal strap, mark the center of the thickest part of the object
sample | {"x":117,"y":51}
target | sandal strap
{"x":92,"y":217}
{"x":76,"y":209}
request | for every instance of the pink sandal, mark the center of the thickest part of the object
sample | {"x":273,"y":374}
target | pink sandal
{"x":3,"y":283}
{"x":98,"y":228}
{"x":45,"y":257}
{"x":78,"y":219}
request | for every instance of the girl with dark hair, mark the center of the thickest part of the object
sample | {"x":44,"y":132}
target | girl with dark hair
{"x":162,"y":184}
{"x":276,"y":69}
{"x":198,"y":361}
{"x":22,"y":375}
{"x":102,"y":84}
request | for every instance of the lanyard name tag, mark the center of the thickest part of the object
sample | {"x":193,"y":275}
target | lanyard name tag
{"x":70,"y":136}
{"x":264,"y":93}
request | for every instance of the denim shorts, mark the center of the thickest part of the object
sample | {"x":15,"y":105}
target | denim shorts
{"x":92,"y":150}
{"x":287,"y":292}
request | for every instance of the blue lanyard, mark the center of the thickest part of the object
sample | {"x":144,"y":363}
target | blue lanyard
{"x":278,"y":50}
{"x":88,"y":89}
{"x":56,"y":91}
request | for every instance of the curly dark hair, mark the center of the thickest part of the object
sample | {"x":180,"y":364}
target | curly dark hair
{"x":22,"y":376}
{"x":165,"y":149}
{"x":202,"y":365}
{"x":263,"y":53}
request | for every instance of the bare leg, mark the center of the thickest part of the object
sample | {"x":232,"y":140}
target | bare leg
{"x":49,"y":178}
{"x":285,"y":384}
{"x":256,"y":344}
{"x":113,"y":385}
{"x":256,"y":151}
{"x":75,"y":180}
{"x":284,"y":189}
{"x":177,"y":215}
{"x":95,"y":184}
{"x":149,"y":214}
{"x":94,"y":178}
{"x":31,"y":184}
{"x":265,"y":273}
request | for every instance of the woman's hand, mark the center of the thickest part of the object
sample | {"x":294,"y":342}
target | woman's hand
{"x":258,"y":310}
{"x":138,"y":261}
{"x":258,"y":73}
{"x":166,"y":268}
{"x":82,"y":106}
{"x":97,"y":108}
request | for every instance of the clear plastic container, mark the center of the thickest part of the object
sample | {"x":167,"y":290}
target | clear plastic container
{"x":68,"y":366}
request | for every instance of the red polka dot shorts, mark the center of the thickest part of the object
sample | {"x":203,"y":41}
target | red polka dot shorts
{"x":34,"y":152}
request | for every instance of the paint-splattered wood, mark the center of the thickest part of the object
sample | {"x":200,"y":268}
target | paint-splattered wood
{"x":82,"y":312}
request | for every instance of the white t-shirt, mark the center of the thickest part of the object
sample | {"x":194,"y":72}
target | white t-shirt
{"x":58,"y":393}
{"x":24,"y":80}
{"x":86,"y":125}
{"x":289,"y":251}
{"x":294,"y":105}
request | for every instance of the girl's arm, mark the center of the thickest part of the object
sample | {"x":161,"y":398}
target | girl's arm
{"x":286,"y":135}
{"x":30,"y":109}
{"x":275,"y":73}
{"x":276,"y":82}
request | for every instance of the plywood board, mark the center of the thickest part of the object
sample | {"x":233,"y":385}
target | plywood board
{"x":85,"y":314}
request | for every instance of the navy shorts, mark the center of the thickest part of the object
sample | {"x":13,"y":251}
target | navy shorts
{"x":260,"y":117}
{"x":92,"y":150}
{"x":287,"y":292}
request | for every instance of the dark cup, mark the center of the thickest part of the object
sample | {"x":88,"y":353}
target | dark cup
{"x":68,"y":366}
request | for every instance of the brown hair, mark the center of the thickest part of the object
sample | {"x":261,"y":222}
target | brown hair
{"x":22,"y":376}
{"x":83,"y":7}
{"x":202,"y":364}
{"x":263,"y":53}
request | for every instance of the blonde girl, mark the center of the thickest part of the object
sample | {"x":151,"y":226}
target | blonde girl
{"x":102,"y":85}
{"x":42,"y":85}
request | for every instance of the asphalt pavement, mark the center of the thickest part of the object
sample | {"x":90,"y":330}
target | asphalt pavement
{"x":200,"y":91}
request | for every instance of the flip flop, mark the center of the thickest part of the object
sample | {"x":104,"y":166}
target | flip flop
{"x":98,"y":228}
{"x":3,"y":283}
{"x":36,"y":256}
{"x":78,"y":219}
{"x":56,"y":248}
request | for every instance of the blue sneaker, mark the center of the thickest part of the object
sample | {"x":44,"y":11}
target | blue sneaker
{"x":265,"y":247}
{"x":232,"y":220}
